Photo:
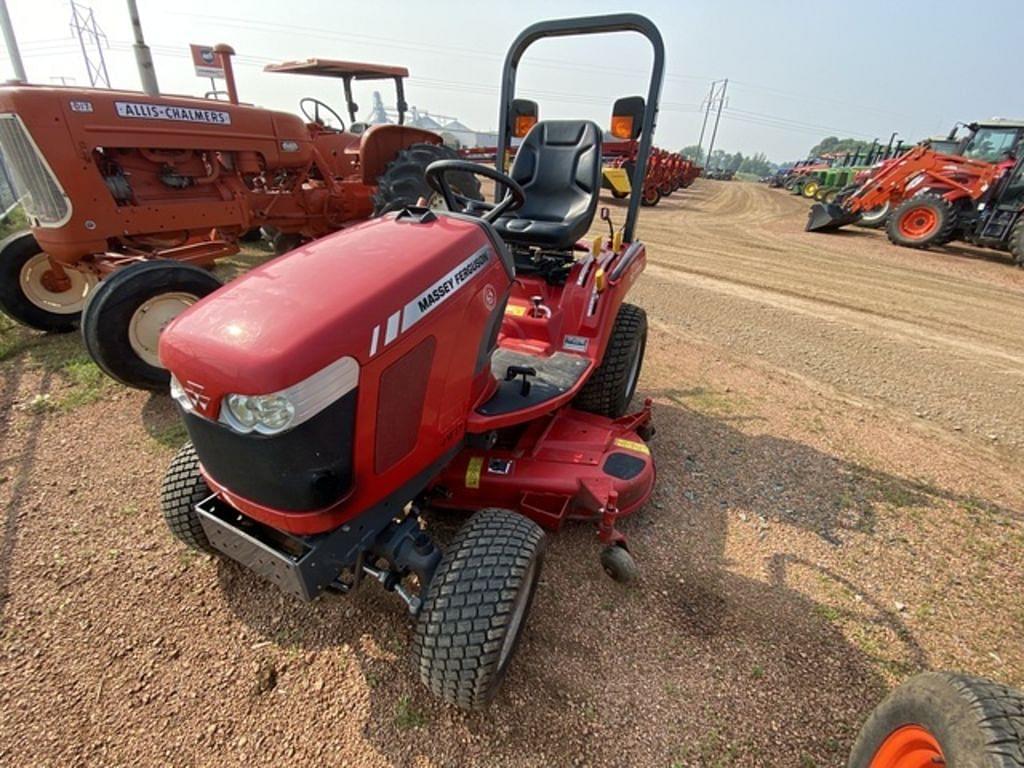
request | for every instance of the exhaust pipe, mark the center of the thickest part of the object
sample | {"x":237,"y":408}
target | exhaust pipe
{"x":828,"y":217}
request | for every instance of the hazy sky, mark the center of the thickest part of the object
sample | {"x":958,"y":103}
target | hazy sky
{"x":797,"y":70}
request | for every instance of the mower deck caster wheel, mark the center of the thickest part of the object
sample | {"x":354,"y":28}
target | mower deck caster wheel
{"x":619,"y":564}
{"x":126,"y":313}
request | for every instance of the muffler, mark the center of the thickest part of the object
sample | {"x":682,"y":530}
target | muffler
{"x":828,"y":217}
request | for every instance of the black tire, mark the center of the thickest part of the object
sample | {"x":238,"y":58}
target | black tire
{"x":15,"y":253}
{"x":650,"y":198}
{"x":876,"y":218}
{"x":112,"y":305}
{"x":975,"y":722}
{"x":282,"y":242}
{"x":610,"y":388}
{"x":1016,"y":243}
{"x":403,"y":181}
{"x":476,"y":607}
{"x":183,"y":487}
{"x":619,"y":195}
{"x":900,"y":221}
{"x":252,"y":236}
{"x":619,"y":564}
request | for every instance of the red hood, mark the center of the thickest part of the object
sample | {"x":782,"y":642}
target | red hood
{"x":287,"y":319}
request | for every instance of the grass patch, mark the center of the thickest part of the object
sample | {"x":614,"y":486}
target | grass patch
{"x":407,"y":716}
{"x":88,"y":382}
{"x":172,"y":435}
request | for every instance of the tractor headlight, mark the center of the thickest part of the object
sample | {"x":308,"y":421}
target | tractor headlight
{"x":279,"y":411}
{"x":263,"y":413}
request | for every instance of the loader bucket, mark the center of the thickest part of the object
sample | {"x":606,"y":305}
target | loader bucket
{"x":827,"y":217}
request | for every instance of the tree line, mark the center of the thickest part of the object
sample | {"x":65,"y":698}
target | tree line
{"x":756,"y":164}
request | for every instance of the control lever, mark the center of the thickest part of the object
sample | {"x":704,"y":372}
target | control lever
{"x":606,"y":216}
{"x":539,"y":310}
{"x":521,"y":370}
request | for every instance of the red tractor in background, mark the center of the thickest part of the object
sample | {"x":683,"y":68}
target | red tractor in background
{"x":130,"y":197}
{"x":666,"y":171}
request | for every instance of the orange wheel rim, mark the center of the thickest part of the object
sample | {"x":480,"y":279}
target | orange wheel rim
{"x":911,"y":746}
{"x":918,"y":222}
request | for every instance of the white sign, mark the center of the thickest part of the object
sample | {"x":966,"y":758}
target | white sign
{"x":445,"y":287}
{"x":208,"y":62}
{"x":172,"y":112}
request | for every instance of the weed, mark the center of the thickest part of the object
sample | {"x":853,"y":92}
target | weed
{"x":407,"y":716}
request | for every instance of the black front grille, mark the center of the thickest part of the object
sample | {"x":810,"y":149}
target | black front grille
{"x":306,"y":468}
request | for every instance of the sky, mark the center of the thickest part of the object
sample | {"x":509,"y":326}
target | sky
{"x":798,"y":71}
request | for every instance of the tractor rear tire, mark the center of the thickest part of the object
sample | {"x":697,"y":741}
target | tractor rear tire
{"x":921,"y":222}
{"x":876,"y":218}
{"x":125,"y":314}
{"x":611,"y":387}
{"x":810,"y":189}
{"x":403,"y":181}
{"x":182,"y":488}
{"x":1016,"y":243}
{"x":941,"y":718}
{"x":476,"y":607}
{"x":24,"y":295}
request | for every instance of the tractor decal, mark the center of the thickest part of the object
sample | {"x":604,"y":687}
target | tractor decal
{"x":171,"y":112}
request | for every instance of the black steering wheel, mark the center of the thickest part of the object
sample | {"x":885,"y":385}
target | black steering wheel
{"x":513,"y":200}
{"x":317,"y":106}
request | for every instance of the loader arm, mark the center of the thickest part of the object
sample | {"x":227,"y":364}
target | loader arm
{"x":919,"y":168}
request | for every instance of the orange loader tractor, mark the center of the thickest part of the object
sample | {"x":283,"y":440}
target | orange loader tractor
{"x":132,"y":197}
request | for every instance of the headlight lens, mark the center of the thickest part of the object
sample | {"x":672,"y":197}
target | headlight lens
{"x":265,"y":413}
{"x":278,"y":411}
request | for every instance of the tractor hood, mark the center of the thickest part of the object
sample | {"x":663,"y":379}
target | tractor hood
{"x":345,"y":295}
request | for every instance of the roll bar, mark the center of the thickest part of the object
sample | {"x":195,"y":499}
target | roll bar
{"x":589,"y":25}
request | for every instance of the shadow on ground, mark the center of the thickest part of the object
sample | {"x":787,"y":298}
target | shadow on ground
{"x":734,"y":667}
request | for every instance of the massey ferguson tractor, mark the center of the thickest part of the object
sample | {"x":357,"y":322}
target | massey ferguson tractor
{"x":131,"y":197}
{"x":478,"y":358}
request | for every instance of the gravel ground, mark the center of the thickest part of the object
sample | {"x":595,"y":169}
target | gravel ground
{"x":838,"y":507}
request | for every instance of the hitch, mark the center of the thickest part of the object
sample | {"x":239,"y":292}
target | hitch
{"x":828,"y":217}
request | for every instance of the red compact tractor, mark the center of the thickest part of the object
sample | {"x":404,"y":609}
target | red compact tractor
{"x":480,"y":358}
{"x":141,"y":191}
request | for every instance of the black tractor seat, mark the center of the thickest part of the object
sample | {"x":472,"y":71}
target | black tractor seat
{"x":559,"y":167}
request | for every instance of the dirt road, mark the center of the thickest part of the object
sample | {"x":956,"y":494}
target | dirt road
{"x":839,"y":506}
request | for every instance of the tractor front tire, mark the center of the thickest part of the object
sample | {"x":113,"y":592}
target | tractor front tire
{"x":651,"y":197}
{"x":183,"y":487}
{"x":404,"y":182}
{"x":610,"y":388}
{"x":940,"y":718}
{"x":876,"y":218}
{"x":476,"y":607}
{"x":125,"y":314}
{"x":1016,"y":243}
{"x":28,"y":293}
{"x":921,"y":222}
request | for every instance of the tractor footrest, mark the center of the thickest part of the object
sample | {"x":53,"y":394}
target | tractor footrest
{"x":555,"y":375}
{"x":290,"y":562}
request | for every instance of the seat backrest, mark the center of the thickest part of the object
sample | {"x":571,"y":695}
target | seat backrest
{"x":559,"y":167}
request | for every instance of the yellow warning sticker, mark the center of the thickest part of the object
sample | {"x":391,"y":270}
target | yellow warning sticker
{"x":514,"y":309}
{"x":629,"y":445}
{"x":473,"y":472}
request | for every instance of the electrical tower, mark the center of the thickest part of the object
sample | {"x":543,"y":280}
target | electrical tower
{"x":93,"y":42}
{"x":716,"y":96}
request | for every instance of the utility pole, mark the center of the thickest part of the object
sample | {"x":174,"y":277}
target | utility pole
{"x":90,"y":36}
{"x":143,"y":58}
{"x":714,"y":131}
{"x":12,"y":43}
{"x":707,"y":113}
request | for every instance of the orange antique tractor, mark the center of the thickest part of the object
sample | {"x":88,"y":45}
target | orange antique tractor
{"x":142,"y":192}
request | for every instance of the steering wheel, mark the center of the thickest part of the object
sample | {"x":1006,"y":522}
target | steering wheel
{"x":318,"y":105}
{"x":435,"y":174}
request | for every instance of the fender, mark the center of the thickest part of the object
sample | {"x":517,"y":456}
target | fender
{"x":381,"y":143}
